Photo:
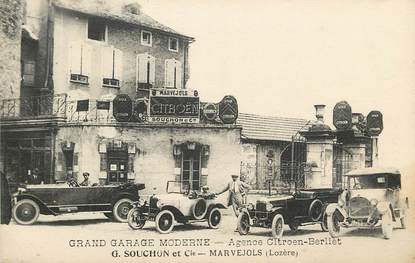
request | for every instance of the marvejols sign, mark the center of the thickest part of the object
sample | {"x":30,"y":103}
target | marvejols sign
{"x":342,"y":116}
{"x":374,"y":123}
{"x":228,"y":109}
{"x":174,"y":106}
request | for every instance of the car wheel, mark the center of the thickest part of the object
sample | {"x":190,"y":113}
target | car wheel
{"x":214,"y":218}
{"x":136,"y":219}
{"x":25,"y":212}
{"x":243,"y":223}
{"x":323,"y":223}
{"x":164,"y":221}
{"x":403,"y":223}
{"x":333,"y":224}
{"x":294,"y":225}
{"x":277,"y":226}
{"x":387,"y":226}
{"x":315,"y":210}
{"x":121,"y":209}
{"x":199,"y":209}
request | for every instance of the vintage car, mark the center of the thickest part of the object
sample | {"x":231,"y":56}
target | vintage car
{"x":372,"y":198}
{"x":303,"y":207}
{"x":178,"y":204}
{"x":54,"y":199}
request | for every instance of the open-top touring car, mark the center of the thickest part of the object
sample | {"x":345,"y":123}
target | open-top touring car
{"x":304,"y":207}
{"x":372,"y":197}
{"x":54,"y":199}
{"x":178,"y":204}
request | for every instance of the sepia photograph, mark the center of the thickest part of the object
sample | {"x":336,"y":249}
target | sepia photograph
{"x":207,"y":131}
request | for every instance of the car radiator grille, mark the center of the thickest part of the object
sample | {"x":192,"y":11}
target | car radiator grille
{"x":360,"y":207}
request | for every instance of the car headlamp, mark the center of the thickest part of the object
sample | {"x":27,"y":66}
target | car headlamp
{"x":374,"y":202}
{"x":159,"y":204}
{"x":268,"y":206}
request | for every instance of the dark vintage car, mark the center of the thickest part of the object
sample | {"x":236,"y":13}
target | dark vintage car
{"x":178,"y":204}
{"x":304,"y":207}
{"x":54,"y":199}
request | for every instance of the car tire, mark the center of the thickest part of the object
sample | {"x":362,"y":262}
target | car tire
{"x":277,"y":226}
{"x":135,"y":224}
{"x":323,"y":223}
{"x":121,"y":209}
{"x":164,"y":221}
{"x":403,"y":222}
{"x":387,"y":226}
{"x":243,"y":225}
{"x":315,"y":211}
{"x":25,"y":212}
{"x":333,"y":224}
{"x":214,"y":218}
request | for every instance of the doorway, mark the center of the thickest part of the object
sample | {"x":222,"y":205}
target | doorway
{"x":191,"y":169}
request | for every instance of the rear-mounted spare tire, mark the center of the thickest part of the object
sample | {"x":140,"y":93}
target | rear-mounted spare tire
{"x":199,"y":209}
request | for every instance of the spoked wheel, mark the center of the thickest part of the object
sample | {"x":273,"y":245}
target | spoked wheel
{"x":164,"y":221}
{"x":25,"y":212}
{"x":387,"y":226}
{"x":243,"y":223}
{"x":277,"y":226}
{"x":121,"y":209}
{"x":333,"y":224}
{"x":315,"y":210}
{"x":136,"y":219}
{"x":214,"y":218}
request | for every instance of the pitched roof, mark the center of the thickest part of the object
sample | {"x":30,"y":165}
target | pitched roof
{"x":105,"y":10}
{"x":270,"y":128}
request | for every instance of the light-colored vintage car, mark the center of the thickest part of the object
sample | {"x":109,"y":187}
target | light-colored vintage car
{"x":372,"y":197}
{"x":178,"y":204}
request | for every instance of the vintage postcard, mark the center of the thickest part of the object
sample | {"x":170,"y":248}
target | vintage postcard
{"x":207,"y":131}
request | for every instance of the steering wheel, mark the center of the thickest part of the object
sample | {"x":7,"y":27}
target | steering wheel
{"x":73,"y":183}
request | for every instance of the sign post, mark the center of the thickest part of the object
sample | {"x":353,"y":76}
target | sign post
{"x":374,"y":127}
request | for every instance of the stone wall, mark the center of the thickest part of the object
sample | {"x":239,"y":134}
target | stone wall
{"x":11,"y":13}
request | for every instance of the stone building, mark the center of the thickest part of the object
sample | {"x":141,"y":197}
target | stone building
{"x":86,"y":62}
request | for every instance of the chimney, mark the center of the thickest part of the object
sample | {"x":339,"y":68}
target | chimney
{"x":320,"y":112}
{"x":132,"y":8}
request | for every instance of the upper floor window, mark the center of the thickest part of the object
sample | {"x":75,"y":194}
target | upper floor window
{"x":146,"y":68}
{"x":97,"y":29}
{"x":28,"y":75}
{"x":173,"y":44}
{"x":111,"y":67}
{"x":80,"y":62}
{"x":146,"y":38}
{"x":173,"y":74}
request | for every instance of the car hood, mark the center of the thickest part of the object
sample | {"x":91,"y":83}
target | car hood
{"x":275,"y":198}
{"x":378,"y":194}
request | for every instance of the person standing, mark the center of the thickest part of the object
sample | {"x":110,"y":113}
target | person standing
{"x":237,"y":193}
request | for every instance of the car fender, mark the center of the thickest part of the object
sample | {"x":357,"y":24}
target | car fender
{"x":178,"y":215}
{"x":124,"y":195}
{"x":43,"y":207}
{"x":245,"y":210}
{"x":331,"y":208}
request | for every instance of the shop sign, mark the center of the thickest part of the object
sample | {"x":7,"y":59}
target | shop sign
{"x":174,"y":106}
{"x":374,"y":123}
{"x":122,"y":108}
{"x":210,"y":111}
{"x":228,"y":109}
{"x":342,"y":116}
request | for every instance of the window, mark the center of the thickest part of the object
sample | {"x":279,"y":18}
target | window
{"x":145,"y":69}
{"x":111,"y":67}
{"x":146,"y":38}
{"x":97,"y":29}
{"x":80,"y":61}
{"x":29,"y":72}
{"x":173,"y":74}
{"x":173,"y":44}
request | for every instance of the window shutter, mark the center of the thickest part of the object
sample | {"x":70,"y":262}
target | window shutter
{"x":169,"y":73}
{"x":152,"y":74}
{"x":179,"y":73}
{"x":86,"y":59}
{"x":75,"y":57}
{"x":107,"y":62}
{"x":117,"y":56}
{"x":146,"y":68}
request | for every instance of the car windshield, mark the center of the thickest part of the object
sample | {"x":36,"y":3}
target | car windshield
{"x":377,"y":181}
{"x":177,"y":187}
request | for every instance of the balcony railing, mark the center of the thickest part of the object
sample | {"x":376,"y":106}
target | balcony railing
{"x":33,"y":107}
